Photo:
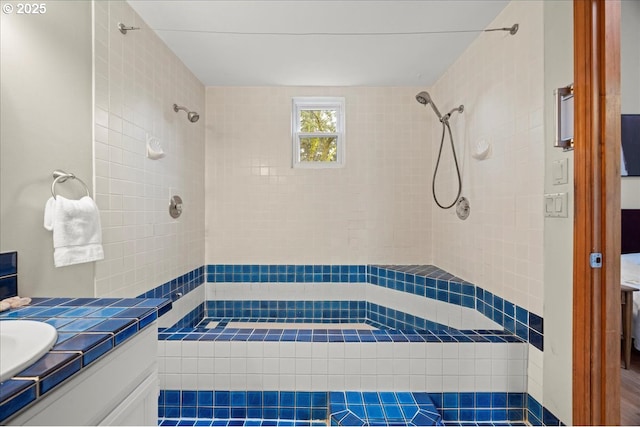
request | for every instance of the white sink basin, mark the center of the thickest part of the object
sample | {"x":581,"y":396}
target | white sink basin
{"x":22,"y":342}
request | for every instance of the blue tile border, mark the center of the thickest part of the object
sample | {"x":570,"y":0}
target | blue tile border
{"x":286,"y":405}
{"x":538,"y":415}
{"x":432,"y":282}
{"x":424,"y":280}
{"x":286,"y":273}
{"x":177,"y":287}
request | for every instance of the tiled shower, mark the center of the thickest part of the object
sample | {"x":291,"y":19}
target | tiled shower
{"x":245,"y":205}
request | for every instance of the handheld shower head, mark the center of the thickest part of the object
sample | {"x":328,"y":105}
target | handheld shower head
{"x":192,"y":116}
{"x":424,"y":98}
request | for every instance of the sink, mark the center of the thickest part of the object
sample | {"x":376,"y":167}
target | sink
{"x":22,"y":342}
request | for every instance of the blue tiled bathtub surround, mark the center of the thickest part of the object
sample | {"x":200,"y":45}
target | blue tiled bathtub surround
{"x":317,"y":312}
{"x":332,"y":335}
{"x":286,"y":405}
{"x":8,"y":275}
{"x":193,"y":318}
{"x":395,"y":407}
{"x":88,"y":328}
{"x":287,"y":273}
{"x":180,"y":285}
{"x":425,"y":280}
{"x":432,"y":282}
{"x":538,"y":415}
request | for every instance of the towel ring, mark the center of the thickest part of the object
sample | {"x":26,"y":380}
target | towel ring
{"x":62,"y":176}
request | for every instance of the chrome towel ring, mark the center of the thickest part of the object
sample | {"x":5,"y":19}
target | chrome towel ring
{"x":62,"y":176}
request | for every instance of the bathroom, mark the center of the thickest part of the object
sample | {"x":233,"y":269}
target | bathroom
{"x":83,"y":96}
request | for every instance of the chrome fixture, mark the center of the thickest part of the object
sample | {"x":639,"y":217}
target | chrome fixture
{"x":175,"y":207}
{"x":512,"y":29}
{"x":62,"y":176}
{"x":462,"y":208}
{"x":123,"y":28}
{"x":424,"y":98}
{"x":191,"y":115}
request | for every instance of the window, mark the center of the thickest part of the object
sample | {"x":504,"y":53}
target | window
{"x":318,"y":132}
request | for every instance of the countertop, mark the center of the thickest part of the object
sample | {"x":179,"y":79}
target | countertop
{"x":88,"y":329}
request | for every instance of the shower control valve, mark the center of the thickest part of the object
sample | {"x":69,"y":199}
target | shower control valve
{"x":175,"y":208}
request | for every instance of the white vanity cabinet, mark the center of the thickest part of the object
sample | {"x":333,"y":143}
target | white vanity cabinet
{"x":120,"y":388}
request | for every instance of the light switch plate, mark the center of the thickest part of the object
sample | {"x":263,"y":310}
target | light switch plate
{"x":560,"y":171}
{"x":556,"y":205}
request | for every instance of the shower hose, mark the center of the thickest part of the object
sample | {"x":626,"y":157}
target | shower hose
{"x":446,"y":127}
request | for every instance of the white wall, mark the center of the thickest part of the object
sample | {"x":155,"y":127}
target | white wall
{"x":630,"y":87}
{"x":45,"y":117}
{"x":138,"y":79}
{"x":554,"y":388}
{"x":499,"y":79}
{"x":261,"y":210}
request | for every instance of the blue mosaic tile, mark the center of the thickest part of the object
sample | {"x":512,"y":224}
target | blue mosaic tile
{"x":424,"y":280}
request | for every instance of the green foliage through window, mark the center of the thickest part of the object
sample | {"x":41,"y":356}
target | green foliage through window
{"x":318,"y":132}
{"x":319,"y":149}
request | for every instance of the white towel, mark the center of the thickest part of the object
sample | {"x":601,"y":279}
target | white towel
{"x":77,"y":235}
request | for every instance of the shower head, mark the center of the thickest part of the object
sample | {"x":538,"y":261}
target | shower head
{"x":424,"y":98}
{"x":192,"y":116}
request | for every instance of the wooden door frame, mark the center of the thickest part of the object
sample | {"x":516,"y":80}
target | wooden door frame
{"x":596,"y":292}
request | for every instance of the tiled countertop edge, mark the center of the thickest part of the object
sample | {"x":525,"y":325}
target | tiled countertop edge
{"x":88,"y":329}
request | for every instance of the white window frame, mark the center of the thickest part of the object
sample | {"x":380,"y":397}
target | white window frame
{"x":318,"y":103}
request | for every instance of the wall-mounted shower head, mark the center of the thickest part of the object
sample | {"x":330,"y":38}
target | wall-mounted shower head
{"x":424,"y":98}
{"x":191,"y":115}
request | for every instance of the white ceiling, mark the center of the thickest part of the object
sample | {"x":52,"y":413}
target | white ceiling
{"x":194,"y":31}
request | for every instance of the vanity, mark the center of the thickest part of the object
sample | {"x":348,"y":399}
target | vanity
{"x":102,"y":369}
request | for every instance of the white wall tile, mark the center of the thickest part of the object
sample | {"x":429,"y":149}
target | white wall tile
{"x":258,"y":206}
{"x":499,"y":247}
{"x":134,"y":96}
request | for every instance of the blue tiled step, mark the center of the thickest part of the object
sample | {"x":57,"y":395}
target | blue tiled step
{"x":354,"y":408}
{"x":237,"y":422}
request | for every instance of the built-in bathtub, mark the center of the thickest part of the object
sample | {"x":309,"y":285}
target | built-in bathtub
{"x":426,"y":331}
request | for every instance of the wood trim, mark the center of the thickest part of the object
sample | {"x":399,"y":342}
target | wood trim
{"x":596,"y":313}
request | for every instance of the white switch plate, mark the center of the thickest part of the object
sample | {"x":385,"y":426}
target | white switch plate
{"x":555,"y":205}
{"x":560,"y":171}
